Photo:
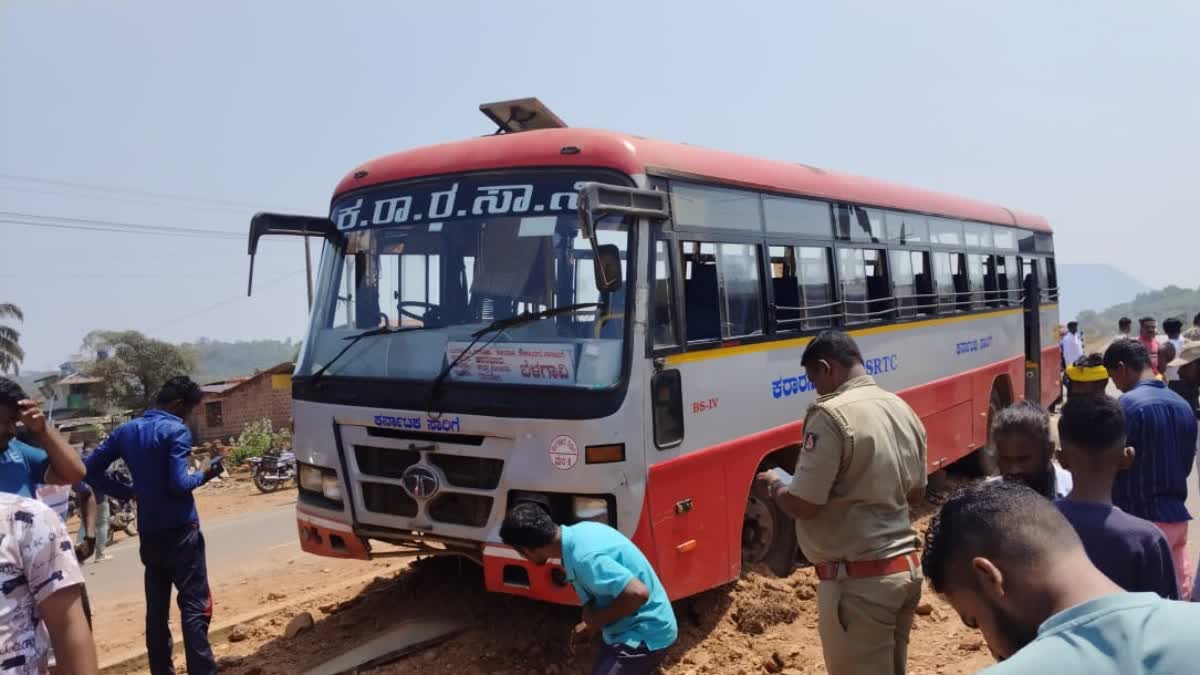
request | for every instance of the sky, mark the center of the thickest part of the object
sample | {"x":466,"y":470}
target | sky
{"x":189,"y":115}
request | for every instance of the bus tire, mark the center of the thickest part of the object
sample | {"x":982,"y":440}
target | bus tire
{"x":768,"y":537}
{"x":984,"y":462}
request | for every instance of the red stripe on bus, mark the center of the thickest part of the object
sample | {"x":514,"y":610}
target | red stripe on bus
{"x":715,"y":481}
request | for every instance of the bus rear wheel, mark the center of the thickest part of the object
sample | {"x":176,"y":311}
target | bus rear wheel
{"x":768,"y":537}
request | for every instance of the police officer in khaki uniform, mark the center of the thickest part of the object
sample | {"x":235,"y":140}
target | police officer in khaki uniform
{"x":861,"y":466}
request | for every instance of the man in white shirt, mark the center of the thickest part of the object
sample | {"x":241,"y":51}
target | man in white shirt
{"x":42,"y":604}
{"x":1124,"y":329}
{"x":1071,"y":345}
{"x":1173,"y":327}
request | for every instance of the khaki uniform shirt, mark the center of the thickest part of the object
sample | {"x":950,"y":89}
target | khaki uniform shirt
{"x":863,"y":452}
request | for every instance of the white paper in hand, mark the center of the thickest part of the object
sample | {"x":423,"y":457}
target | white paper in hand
{"x":783,"y":476}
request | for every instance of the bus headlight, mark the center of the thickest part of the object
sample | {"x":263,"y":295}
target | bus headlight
{"x":590,"y":508}
{"x":311,"y":477}
{"x":318,"y":480}
{"x":330,"y":487}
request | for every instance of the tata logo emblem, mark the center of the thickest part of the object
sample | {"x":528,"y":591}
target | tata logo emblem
{"x":420,"y":482}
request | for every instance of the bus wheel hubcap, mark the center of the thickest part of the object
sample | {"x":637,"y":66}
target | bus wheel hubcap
{"x":758,"y":529}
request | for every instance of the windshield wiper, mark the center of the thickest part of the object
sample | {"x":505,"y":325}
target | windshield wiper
{"x":531,"y":317}
{"x":498,"y":327}
{"x":354,"y":339}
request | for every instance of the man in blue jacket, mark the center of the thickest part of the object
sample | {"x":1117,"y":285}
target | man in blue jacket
{"x":155,"y":448}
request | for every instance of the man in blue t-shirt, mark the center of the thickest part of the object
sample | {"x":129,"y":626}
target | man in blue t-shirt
{"x":1012,"y":567}
{"x":621,"y":595}
{"x":32,"y":453}
{"x":1132,"y":552}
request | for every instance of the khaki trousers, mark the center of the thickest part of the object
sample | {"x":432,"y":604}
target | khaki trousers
{"x":864,"y":623}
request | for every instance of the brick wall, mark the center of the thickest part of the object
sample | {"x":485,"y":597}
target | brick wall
{"x":252,"y":400}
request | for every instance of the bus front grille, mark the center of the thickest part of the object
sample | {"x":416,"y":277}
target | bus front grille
{"x":384,"y":462}
{"x":479,"y":473}
{"x":461,"y":509}
{"x":389,"y":499}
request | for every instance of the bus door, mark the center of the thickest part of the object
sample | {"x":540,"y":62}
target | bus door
{"x":1031,"y":295}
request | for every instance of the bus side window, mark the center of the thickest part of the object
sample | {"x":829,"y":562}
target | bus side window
{"x":944,"y":269}
{"x":803,"y":290}
{"x":816,"y":285}
{"x":991,"y":282}
{"x":1028,"y":268}
{"x":666,"y":388}
{"x":663,"y":310}
{"x":699,"y":262}
{"x":785,"y":284}
{"x":866,"y":289}
{"x":721,"y":290}
{"x":962,"y":285}
{"x":1010,"y":280}
{"x":912,"y":282}
{"x":740,"y":285}
{"x":975,"y":281}
{"x":1050,"y":277}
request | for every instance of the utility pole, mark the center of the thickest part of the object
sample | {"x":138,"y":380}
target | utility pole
{"x":308,"y":272}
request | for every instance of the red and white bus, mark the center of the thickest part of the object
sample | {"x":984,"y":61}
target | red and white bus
{"x":612,"y":326}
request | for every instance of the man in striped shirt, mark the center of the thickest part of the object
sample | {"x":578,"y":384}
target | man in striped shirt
{"x":1162,"y":432}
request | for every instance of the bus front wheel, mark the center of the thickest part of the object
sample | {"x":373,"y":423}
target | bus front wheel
{"x":768,"y":536}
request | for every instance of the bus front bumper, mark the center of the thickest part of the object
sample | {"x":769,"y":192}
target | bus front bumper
{"x":506,"y":571}
{"x":329,"y":538}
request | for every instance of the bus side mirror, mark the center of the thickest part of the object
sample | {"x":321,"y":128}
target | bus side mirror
{"x":596,"y":200}
{"x":274,"y":224}
{"x":608,"y":267}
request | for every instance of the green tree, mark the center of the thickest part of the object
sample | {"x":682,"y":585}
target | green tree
{"x":11,"y":354}
{"x":135,"y":368}
{"x":257,"y":438}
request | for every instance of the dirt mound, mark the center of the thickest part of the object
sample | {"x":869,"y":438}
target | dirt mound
{"x":757,"y":624}
{"x":760,"y":603}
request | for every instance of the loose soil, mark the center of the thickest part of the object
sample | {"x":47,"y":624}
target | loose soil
{"x":270,"y":578}
{"x":759,"y":624}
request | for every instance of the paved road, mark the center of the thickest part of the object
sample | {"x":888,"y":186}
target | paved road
{"x":232,"y":545}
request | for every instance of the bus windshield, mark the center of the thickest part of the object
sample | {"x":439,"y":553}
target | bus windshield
{"x":438,"y":261}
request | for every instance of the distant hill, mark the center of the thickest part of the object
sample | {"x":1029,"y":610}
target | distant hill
{"x":1094,"y":287}
{"x":217,"y":360}
{"x":1162,"y":304}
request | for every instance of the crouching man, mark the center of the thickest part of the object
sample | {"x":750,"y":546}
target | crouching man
{"x":621,"y":595}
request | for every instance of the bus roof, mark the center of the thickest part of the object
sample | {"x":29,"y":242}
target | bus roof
{"x":634,"y":155}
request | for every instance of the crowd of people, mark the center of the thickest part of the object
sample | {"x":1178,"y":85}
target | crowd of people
{"x":1073,"y":560}
{"x":45,"y":620}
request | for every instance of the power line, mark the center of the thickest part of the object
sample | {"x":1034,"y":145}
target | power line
{"x":225,"y":203}
{"x":67,"y":222}
{"x":212,"y":234}
{"x":128,"y":199}
{"x":114,"y":223}
{"x":226,"y":301}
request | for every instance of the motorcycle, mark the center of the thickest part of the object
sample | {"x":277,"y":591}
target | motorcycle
{"x":273,"y":471}
{"x":122,"y":513}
